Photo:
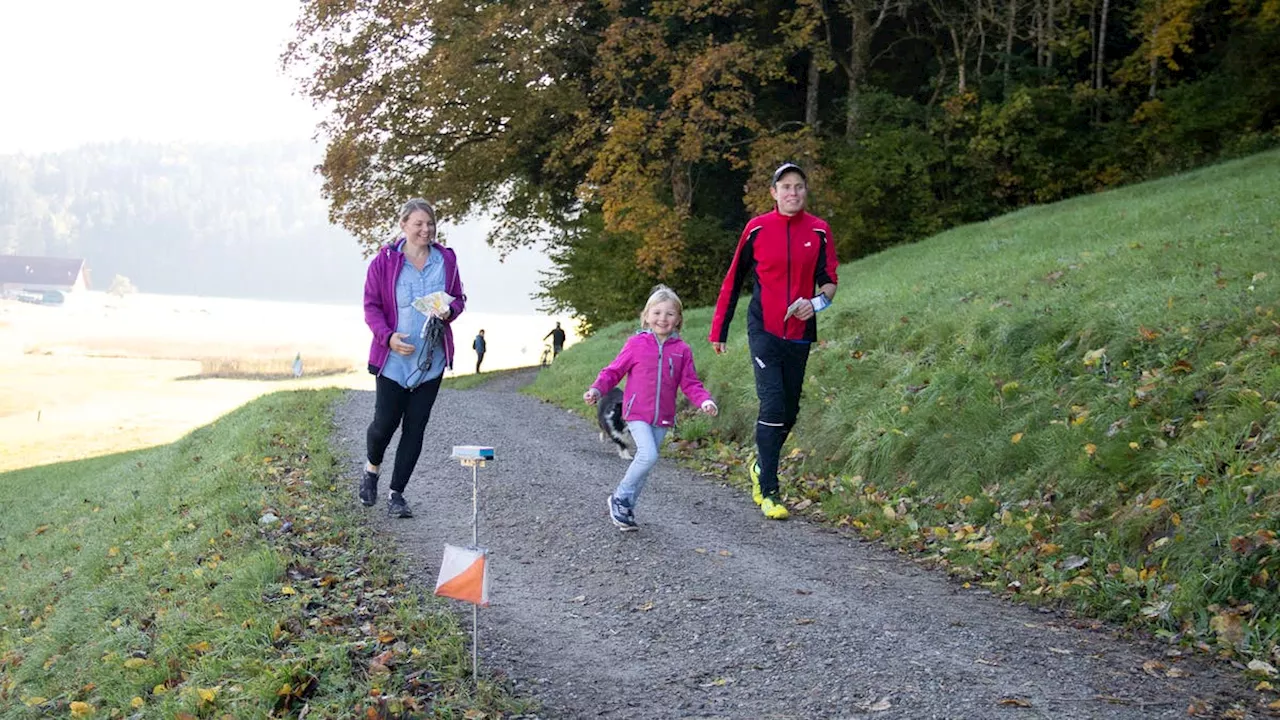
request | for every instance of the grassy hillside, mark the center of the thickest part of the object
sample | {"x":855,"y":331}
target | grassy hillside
{"x":1074,"y":403}
{"x":226,"y":575}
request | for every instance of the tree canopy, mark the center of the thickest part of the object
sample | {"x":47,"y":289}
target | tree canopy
{"x":635,"y":138}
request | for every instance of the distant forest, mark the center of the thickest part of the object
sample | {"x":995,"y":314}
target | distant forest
{"x":232,"y":221}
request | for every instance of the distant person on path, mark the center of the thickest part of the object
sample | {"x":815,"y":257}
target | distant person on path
{"x":784,"y":254}
{"x":649,"y":401}
{"x":410,"y":348}
{"x":557,"y":340}
{"x":479,"y":346}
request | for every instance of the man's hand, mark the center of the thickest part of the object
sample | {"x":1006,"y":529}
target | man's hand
{"x":718,"y":347}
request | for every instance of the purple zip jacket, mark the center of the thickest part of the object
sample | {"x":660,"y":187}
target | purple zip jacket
{"x":653,"y":370}
{"x":380,"y":300}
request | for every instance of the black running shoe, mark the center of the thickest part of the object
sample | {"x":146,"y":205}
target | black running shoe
{"x":369,"y":489}
{"x":397,"y":507}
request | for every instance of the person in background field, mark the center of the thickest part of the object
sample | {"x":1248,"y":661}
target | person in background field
{"x":655,"y":362}
{"x":557,"y":340}
{"x":785,"y":254}
{"x":410,"y":350}
{"x":479,"y":346}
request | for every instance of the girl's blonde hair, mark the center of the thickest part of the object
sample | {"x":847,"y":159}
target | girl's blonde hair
{"x":662,"y":293}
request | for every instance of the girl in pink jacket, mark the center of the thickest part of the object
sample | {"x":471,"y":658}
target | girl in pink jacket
{"x":655,"y":362}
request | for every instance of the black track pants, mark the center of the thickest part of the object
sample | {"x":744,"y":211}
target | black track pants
{"x":779,"y":369}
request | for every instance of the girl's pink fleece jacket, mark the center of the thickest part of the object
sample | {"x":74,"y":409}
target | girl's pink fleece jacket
{"x":653,"y":370}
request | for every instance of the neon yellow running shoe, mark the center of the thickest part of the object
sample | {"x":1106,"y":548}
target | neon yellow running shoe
{"x":754,"y":472}
{"x":774,"y":509}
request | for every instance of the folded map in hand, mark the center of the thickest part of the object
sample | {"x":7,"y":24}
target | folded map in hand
{"x":434,"y":304}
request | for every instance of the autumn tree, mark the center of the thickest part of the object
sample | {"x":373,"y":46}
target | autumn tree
{"x":633,"y":138}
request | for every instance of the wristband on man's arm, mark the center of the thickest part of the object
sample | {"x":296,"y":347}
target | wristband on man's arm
{"x":820,"y":302}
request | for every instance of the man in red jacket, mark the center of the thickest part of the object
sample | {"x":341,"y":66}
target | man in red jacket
{"x":785,"y":254}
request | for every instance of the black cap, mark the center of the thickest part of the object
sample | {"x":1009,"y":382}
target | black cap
{"x":785,"y":168}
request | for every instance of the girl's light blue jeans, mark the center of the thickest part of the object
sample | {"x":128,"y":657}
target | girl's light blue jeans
{"x":648,"y":439}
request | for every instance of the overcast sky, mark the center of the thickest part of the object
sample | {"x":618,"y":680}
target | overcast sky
{"x":80,"y":71}
{"x":76,"y":71}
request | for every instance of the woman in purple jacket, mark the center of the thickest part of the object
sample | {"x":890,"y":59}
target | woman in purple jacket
{"x":410,"y":348}
{"x":655,"y":362}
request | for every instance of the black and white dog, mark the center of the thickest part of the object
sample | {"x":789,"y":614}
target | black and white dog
{"x":612,"y":426}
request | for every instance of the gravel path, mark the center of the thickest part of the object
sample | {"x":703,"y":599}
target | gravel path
{"x":711,"y":611}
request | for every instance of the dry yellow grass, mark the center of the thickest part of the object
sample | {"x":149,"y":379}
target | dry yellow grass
{"x":60,"y":408}
{"x":102,"y":375}
{"x":90,"y":380}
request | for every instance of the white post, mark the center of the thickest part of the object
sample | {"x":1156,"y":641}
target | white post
{"x":474,"y":456}
{"x":475,"y":542}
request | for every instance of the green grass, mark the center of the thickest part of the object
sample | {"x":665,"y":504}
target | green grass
{"x":1074,"y":403}
{"x":467,"y":382}
{"x":146,"y":585}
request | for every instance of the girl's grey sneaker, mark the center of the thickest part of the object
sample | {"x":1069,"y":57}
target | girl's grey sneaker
{"x":397,"y":507}
{"x":369,"y":488}
{"x":620,"y":513}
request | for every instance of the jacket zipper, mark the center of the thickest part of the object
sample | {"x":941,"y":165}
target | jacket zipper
{"x":788,"y":283}
{"x":657,"y":398}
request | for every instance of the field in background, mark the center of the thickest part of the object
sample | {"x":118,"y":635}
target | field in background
{"x":103,"y":374}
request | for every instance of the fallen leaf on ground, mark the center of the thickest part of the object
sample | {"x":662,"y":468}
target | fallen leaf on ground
{"x":1260,"y":666}
{"x":1015,"y":702}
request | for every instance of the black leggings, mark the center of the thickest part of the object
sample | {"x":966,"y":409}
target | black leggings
{"x":410,"y":410}
{"x":779,"y":369}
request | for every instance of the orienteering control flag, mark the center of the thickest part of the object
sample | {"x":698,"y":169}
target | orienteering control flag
{"x":464,"y":575}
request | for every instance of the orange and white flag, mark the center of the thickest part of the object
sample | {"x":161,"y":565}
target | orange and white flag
{"x":464,"y":575}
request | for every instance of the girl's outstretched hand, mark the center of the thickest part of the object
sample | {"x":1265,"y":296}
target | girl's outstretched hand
{"x":709,"y":407}
{"x":591,"y":396}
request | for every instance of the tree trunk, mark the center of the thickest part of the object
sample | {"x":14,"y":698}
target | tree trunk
{"x":1102,"y":44}
{"x":811,"y":92}
{"x":958,"y":48}
{"x":1008,"y":43}
{"x":1093,"y":38}
{"x":1049,"y":32}
{"x":1037,"y":20}
{"x":982,"y":42}
{"x":1155,"y":65}
{"x":859,"y":38}
{"x":682,"y":188}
